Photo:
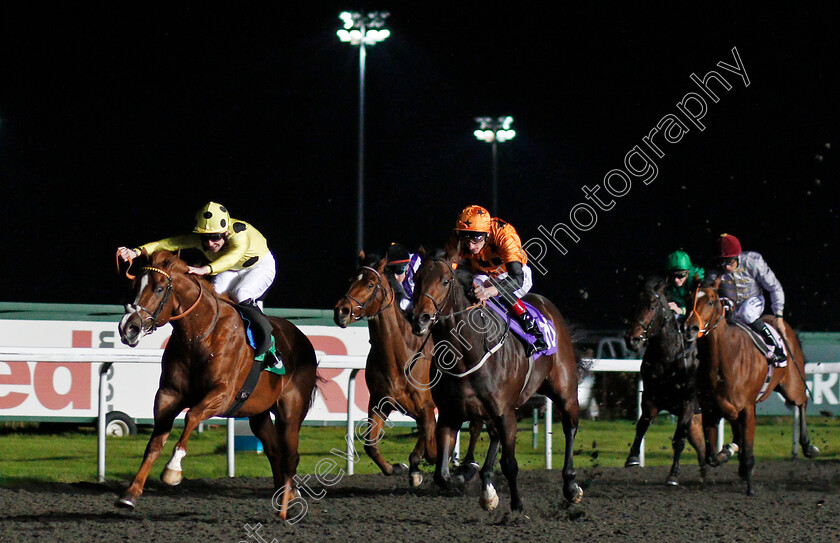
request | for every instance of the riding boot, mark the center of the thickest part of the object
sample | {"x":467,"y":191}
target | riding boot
{"x":777,"y":356}
{"x":530,"y":326}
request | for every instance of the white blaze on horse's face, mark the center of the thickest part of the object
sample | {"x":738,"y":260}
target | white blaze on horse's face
{"x":132,"y":324}
{"x":700,"y":294}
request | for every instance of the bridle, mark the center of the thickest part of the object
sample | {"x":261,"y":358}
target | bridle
{"x":153,"y":316}
{"x":705,"y":328}
{"x":362,"y":306}
{"x":447,"y":297}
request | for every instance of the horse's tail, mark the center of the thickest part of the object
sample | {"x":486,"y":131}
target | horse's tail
{"x":319,"y":382}
{"x":577,"y":334}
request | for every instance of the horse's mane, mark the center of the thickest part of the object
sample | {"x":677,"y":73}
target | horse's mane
{"x":168,"y":260}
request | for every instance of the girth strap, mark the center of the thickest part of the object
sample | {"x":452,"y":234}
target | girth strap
{"x":247,"y":389}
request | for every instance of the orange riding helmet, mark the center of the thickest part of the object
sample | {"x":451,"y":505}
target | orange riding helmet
{"x":474,"y":219}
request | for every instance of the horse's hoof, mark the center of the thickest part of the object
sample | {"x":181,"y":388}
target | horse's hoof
{"x":126,"y":502}
{"x":489,"y":499}
{"x":415,"y":479}
{"x":575,"y":495}
{"x":750,"y":491}
{"x":171,"y":477}
{"x":811,"y":452}
{"x":398,"y":469}
{"x":468,"y":471}
{"x":672,"y":481}
{"x":632,"y":461}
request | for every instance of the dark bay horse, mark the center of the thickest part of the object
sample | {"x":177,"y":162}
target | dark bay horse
{"x":204,"y":366}
{"x":486,"y":375}
{"x":389,"y":379}
{"x":669,"y":369}
{"x":731,"y":380}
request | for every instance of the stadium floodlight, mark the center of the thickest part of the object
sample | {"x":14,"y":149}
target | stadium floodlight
{"x":362,"y":30}
{"x":494,"y":130}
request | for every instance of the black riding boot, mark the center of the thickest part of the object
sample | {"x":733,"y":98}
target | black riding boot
{"x":530,"y":326}
{"x":763,"y":329}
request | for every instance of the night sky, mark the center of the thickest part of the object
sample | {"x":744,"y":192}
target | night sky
{"x":118,"y":123}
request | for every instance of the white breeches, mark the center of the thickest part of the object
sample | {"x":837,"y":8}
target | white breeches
{"x":751,"y":310}
{"x":247,"y":283}
{"x":527,"y":281}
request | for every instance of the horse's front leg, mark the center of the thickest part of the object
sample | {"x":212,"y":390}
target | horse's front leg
{"x":445,"y":433}
{"x":808,"y":450}
{"x":710,"y":424}
{"x":649,"y":412}
{"x":209,"y":406}
{"x":746,"y":458}
{"x":166,"y":409}
{"x":678,"y":442}
{"x":489,"y":499}
{"x":426,"y":445}
{"x":475,"y":434}
{"x":695,"y":437}
{"x":374,"y":435}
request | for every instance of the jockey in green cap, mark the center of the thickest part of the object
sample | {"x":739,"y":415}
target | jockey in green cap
{"x":682,"y":280}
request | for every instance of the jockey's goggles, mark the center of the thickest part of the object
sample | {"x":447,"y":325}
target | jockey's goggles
{"x":397,"y":268}
{"x":212,"y":237}
{"x":682,"y":274}
{"x":467,"y":235}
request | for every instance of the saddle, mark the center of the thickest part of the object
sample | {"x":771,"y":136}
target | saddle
{"x":545,"y":325}
{"x":758,"y":340}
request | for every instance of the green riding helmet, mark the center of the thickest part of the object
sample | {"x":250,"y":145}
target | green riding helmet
{"x":678,"y":260}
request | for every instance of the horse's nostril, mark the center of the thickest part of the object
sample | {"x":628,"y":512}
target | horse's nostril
{"x":424,"y":318}
{"x":343,"y":311}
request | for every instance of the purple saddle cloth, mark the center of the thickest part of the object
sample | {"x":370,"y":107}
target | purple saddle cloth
{"x":546,"y":326}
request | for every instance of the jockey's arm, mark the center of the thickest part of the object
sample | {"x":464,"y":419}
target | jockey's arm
{"x":512,"y":281}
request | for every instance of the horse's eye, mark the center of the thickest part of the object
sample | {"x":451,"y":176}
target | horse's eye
{"x":446,"y":282}
{"x":159,"y":290}
{"x":370,"y":285}
{"x":652,"y":307}
{"x":711,"y":303}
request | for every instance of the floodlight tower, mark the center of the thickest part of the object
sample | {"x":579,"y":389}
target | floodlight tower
{"x":362,"y":30}
{"x":494,"y":131}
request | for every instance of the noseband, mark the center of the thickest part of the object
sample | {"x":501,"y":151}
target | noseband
{"x":362,"y":306}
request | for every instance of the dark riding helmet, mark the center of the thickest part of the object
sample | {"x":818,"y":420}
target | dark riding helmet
{"x":396,"y":258}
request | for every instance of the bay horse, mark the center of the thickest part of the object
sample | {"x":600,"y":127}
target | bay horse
{"x":733,"y":375}
{"x":205,"y":364}
{"x":669,"y":370}
{"x":486,"y":375}
{"x":393,"y":385}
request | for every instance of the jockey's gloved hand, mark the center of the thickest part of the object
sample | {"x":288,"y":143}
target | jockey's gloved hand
{"x":728,"y":304}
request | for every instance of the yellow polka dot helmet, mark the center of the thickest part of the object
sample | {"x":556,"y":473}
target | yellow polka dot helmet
{"x":474,"y":219}
{"x":212,"y":219}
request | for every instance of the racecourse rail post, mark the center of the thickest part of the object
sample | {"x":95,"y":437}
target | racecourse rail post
{"x":100,"y":422}
{"x":351,"y":399}
{"x":641,"y":390}
{"x":548,"y":433}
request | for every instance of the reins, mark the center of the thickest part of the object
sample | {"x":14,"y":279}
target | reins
{"x":438,"y":316}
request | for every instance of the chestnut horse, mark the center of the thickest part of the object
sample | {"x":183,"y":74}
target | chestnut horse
{"x":669,"y":369}
{"x":204,"y":366}
{"x":486,"y":375}
{"x":393,"y":384}
{"x":731,"y":380}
